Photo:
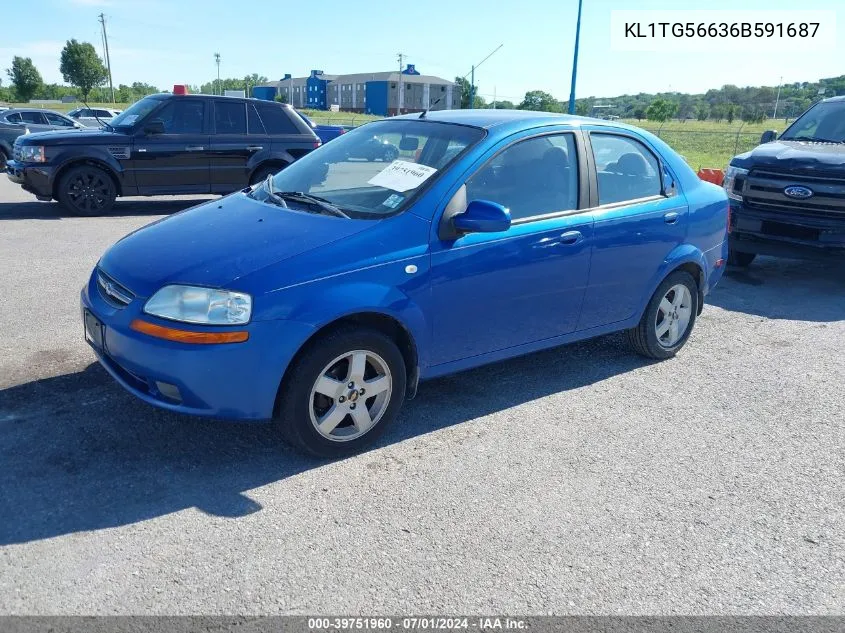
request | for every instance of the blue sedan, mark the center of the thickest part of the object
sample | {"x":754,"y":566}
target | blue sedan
{"x":320,"y":297}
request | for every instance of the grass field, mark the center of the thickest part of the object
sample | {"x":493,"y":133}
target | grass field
{"x":701,"y":143}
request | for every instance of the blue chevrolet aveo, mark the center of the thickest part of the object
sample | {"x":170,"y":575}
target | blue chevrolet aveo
{"x":320,"y":297}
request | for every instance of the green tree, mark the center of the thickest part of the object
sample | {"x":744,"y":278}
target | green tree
{"x":702,"y":111}
{"x":540,"y":101}
{"x":462,"y":85}
{"x":504,"y":104}
{"x":24,"y":77}
{"x":730,"y":112}
{"x":639,"y":113}
{"x":81,"y":67}
{"x":661,"y":110}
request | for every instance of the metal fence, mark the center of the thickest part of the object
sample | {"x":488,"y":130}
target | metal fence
{"x":707,"y":148}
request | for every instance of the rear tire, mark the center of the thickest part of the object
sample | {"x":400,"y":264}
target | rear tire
{"x":342,"y":392}
{"x":739,"y":258}
{"x":262,"y":172}
{"x":668,"y":319}
{"x":390,"y":154}
{"x":4,"y":157}
{"x":86,"y":190}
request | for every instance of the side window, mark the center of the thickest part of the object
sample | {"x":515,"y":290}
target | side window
{"x":626,"y":170}
{"x":531,"y":177}
{"x":55,"y":119}
{"x":182,"y":116}
{"x":276,"y":120}
{"x":33,"y":117}
{"x":15,"y":117}
{"x":229,"y":117}
{"x":103,"y":114}
{"x":253,"y":121}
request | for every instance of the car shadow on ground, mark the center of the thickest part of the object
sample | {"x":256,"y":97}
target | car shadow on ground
{"x":784,"y":289}
{"x":77,"y":453}
{"x":123,"y":207}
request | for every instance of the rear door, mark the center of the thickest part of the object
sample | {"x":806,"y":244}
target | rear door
{"x":238,"y":141}
{"x":35,"y":121}
{"x":639,"y":219}
{"x":177,"y":161}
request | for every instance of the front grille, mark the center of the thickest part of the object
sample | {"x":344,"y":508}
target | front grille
{"x":764,"y":189}
{"x":116,"y":294}
{"x":17,"y":154}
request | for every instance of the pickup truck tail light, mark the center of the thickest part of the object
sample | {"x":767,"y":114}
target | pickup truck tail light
{"x":317,"y":144}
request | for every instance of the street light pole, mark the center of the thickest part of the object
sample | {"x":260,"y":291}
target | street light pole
{"x":575,"y":61}
{"x":217,"y":61}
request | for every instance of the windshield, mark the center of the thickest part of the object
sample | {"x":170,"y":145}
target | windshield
{"x":134,"y":113}
{"x":825,"y":121}
{"x":375,"y":170}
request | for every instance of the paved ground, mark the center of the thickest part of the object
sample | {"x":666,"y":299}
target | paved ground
{"x":578,"y":480}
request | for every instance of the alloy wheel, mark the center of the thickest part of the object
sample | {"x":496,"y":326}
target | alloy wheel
{"x":673,"y":316}
{"x":89,"y":191}
{"x":350,"y":395}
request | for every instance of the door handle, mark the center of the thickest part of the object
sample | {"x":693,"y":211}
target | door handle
{"x":254,"y":148}
{"x":570,"y":237}
{"x":671,"y":218}
{"x":194,"y":148}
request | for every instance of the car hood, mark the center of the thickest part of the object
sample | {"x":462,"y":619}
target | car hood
{"x":788,"y":155}
{"x":215,"y":243}
{"x":89,"y":136}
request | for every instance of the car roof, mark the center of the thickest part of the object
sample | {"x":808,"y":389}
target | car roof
{"x":839,"y":98}
{"x":492,"y":118}
{"x":13,"y":110}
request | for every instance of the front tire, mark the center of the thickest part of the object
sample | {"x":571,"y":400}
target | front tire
{"x":739,"y":258}
{"x":390,"y":154}
{"x":668,"y":319}
{"x":342,"y":392}
{"x":86,"y":190}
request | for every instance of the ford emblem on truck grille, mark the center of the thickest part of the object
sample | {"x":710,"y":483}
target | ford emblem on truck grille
{"x":798,"y":192}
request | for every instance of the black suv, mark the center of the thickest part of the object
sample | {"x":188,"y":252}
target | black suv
{"x":787,"y":196}
{"x":162,"y":144}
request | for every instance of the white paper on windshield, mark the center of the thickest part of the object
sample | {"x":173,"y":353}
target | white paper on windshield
{"x":400,"y":175}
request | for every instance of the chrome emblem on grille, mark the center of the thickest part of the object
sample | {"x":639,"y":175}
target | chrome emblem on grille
{"x":111,"y":290}
{"x":798,"y":192}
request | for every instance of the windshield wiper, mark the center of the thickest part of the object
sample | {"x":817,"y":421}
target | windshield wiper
{"x":314,"y":201}
{"x":810,"y":139}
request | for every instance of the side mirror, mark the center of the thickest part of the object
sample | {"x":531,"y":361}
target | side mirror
{"x":155,"y":126}
{"x":768,"y":136}
{"x":409,"y":143}
{"x":483,"y":216}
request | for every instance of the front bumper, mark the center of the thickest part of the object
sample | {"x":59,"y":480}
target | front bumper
{"x":237,"y":381}
{"x":35,"y":178}
{"x":786,"y":235}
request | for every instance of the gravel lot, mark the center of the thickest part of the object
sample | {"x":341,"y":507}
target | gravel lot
{"x":577,"y":480}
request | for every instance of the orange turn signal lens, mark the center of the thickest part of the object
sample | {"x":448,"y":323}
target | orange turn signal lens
{"x":184,"y":336}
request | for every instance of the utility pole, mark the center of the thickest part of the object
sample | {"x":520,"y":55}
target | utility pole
{"x":777,"y":100}
{"x":400,"y":99}
{"x":575,"y":61}
{"x":217,"y":61}
{"x":106,"y":48}
{"x":472,"y":80}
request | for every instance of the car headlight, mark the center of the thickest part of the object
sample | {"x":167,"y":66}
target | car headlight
{"x":734,"y":181}
{"x":32,"y":153}
{"x":194,"y":304}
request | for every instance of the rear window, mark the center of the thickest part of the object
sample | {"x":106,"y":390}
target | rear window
{"x":276,"y":120}
{"x":253,"y":121}
{"x":229,"y":117}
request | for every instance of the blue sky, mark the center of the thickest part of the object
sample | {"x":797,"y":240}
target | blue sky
{"x":172,"y":41}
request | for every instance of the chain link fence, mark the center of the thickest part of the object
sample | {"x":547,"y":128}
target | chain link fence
{"x":707,"y":148}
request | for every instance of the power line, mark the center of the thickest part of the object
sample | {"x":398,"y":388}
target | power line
{"x":108,"y":59}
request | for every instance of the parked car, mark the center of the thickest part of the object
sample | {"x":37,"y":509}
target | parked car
{"x":15,"y":122}
{"x":323,"y":295}
{"x":93,"y":117}
{"x":375,"y":148}
{"x":788,"y":194}
{"x":325,"y":132}
{"x":162,"y":144}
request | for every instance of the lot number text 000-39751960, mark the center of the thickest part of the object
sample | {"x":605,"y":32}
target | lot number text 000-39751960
{"x":709,"y":31}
